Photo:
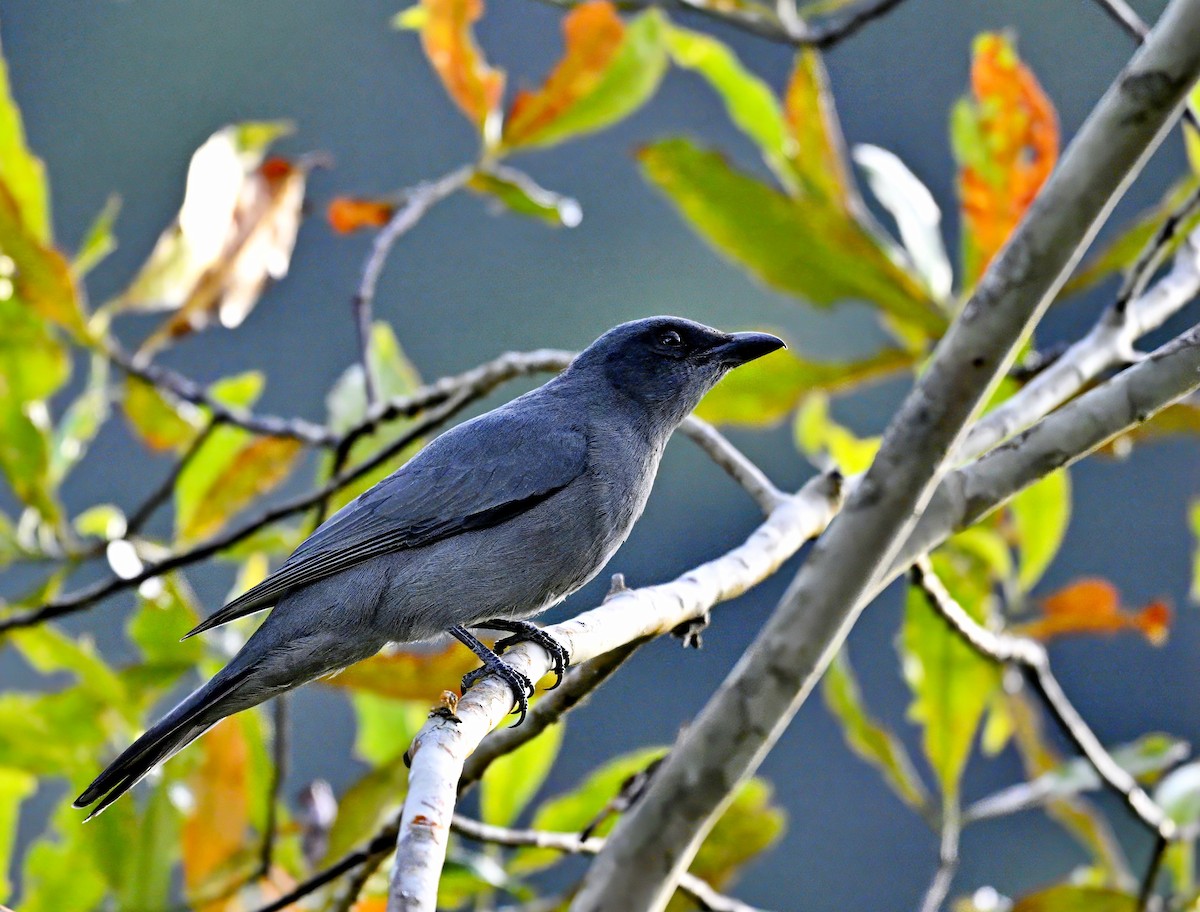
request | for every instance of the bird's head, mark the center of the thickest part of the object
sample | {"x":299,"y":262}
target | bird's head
{"x":665,"y":365}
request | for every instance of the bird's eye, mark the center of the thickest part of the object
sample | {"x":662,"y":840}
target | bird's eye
{"x":670,"y":339}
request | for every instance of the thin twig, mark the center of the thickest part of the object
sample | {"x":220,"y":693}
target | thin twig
{"x":1031,"y":658}
{"x":571,"y":844}
{"x":85,"y":598}
{"x":417,"y":202}
{"x":939,"y":887}
{"x":355,"y":884}
{"x":734,"y":462}
{"x":280,"y":724}
{"x":1146,"y":892}
{"x":1155,"y":251}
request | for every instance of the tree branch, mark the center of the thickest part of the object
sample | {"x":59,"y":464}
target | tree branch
{"x":417,"y":202}
{"x":440,"y":750}
{"x":939,"y":887}
{"x":572,"y":844}
{"x":726,"y":743}
{"x":734,"y":462}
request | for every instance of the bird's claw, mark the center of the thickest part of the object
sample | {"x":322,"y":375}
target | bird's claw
{"x":531,"y":633}
{"x":518,"y":683}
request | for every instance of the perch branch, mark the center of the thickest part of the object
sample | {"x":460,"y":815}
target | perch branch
{"x":734,"y":462}
{"x":656,"y":841}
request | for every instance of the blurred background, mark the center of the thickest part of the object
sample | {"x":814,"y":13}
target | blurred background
{"x":117,"y":95}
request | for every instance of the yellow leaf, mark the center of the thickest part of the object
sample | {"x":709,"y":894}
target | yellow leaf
{"x":407,"y":675}
{"x":450,"y":46}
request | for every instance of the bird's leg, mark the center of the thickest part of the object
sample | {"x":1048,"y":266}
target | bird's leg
{"x":525,"y":632}
{"x":519,"y":684}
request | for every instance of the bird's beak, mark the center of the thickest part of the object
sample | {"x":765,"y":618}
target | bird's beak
{"x":741,"y":348}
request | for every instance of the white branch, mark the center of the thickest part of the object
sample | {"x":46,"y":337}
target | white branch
{"x":439,"y":751}
{"x":657,"y":839}
{"x":1110,"y":343}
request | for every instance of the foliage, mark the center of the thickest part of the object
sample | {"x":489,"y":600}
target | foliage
{"x":794,"y":220}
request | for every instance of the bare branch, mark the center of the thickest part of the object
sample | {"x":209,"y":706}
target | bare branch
{"x":728,"y":740}
{"x":417,"y":202}
{"x":734,"y":462}
{"x":439,"y":751}
{"x":1030,"y":656}
{"x":572,"y":844}
{"x":943,"y":877}
{"x":1146,"y":891}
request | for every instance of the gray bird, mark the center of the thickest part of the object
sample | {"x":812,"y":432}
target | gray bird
{"x":491,"y":523}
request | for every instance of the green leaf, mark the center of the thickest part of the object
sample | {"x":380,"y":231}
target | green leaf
{"x":868,"y":738}
{"x":576,"y":809}
{"x":818,"y":148}
{"x":232,"y":468}
{"x":1195,"y":523}
{"x":815,"y":252}
{"x":766,"y":391}
{"x":518,"y":192}
{"x":99,"y":241}
{"x":1066,"y":898}
{"x":1179,"y":794}
{"x":951,"y":684}
{"x":513,"y":779}
{"x":20,"y":170}
{"x":36,"y":274}
{"x":62,"y":874}
{"x":15,"y":787}
{"x":81,"y":423}
{"x":47,"y":649}
{"x":824,"y":441}
{"x":150,"y":860}
{"x":161,"y":424}
{"x":394,"y":376}
{"x":751,"y":105}
{"x":1122,"y":251}
{"x":597,"y":100}
{"x":1040,"y":515}
{"x":160,"y":621}
{"x":749,"y":826}
{"x":386,"y":727}
{"x":25,"y":455}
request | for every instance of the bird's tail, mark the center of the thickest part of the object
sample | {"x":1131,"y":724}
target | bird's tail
{"x":182,"y":725}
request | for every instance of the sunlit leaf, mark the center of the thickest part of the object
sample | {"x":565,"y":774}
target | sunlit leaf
{"x":749,"y":826}
{"x":1094,"y":606}
{"x":99,"y":241}
{"x":517,"y":192}
{"x":160,"y":423}
{"x":35,"y":273}
{"x":749,"y":102}
{"x":47,"y":649}
{"x":449,"y":44}
{"x":235,"y":231}
{"x":1005,"y":139}
{"x":1190,"y":134}
{"x":825,"y":442}
{"x":15,"y":787}
{"x":1067,"y":898}
{"x":44,"y":888}
{"x":386,"y":727}
{"x":815,"y":252}
{"x":868,"y":738}
{"x":766,"y":391}
{"x":514,"y":778}
{"x":404,"y":675}
{"x":1194,"y":517}
{"x":25,"y":455}
{"x":216,"y":829}
{"x":950,"y":682}
{"x":580,"y":807}
{"x":232,"y":468}
{"x":918,"y":218}
{"x":150,"y":860}
{"x":1040,"y":515}
{"x":607,"y":71}
{"x":347,"y":214}
{"x":818,"y":150}
{"x":346,"y":403}
{"x":20,"y":170}
{"x":160,"y":621}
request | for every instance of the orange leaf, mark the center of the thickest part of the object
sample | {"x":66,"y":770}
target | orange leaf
{"x":371,"y":904}
{"x":592,"y":34}
{"x":215,"y":832}
{"x":450,"y":46}
{"x":819,"y":156}
{"x":1094,"y":606}
{"x":347,"y":214}
{"x":407,"y":675}
{"x":1007,"y":147}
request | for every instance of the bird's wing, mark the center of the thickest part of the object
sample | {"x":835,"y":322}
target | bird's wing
{"x":476,"y":475}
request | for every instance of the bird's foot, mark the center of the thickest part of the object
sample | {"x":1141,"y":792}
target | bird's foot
{"x":525,"y":632}
{"x":518,"y":683}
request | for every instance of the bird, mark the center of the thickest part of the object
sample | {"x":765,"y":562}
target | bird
{"x":491,"y":523}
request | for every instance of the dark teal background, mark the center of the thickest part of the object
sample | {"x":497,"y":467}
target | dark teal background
{"x":116,"y":96}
